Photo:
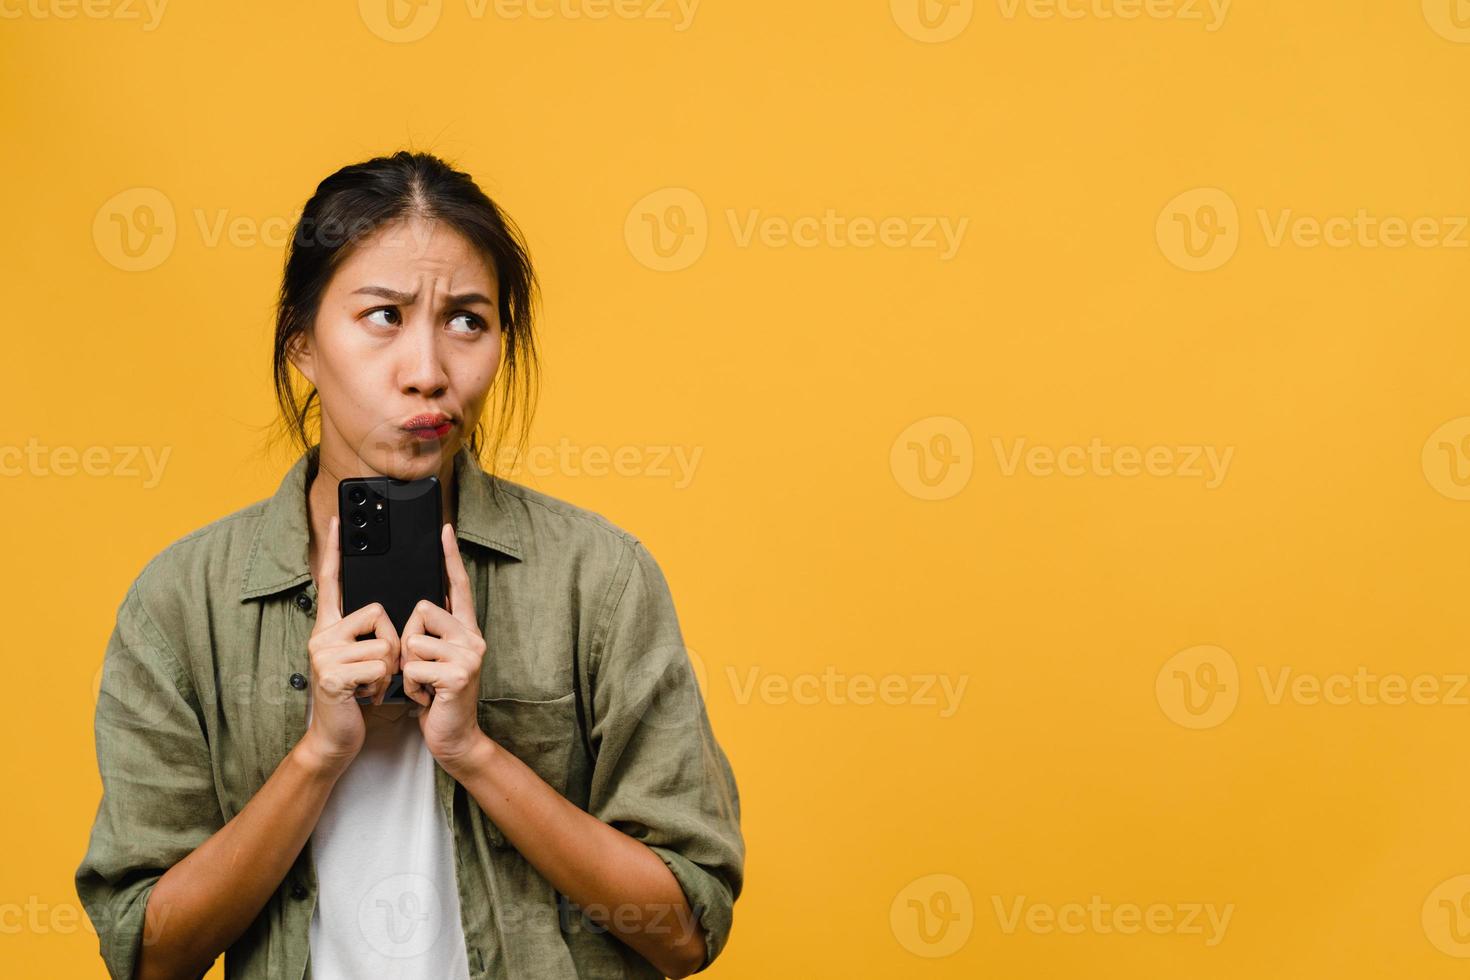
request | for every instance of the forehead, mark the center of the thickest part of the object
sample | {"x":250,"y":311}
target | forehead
{"x":414,"y":245}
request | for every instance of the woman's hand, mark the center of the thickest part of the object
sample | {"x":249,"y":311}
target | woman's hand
{"x":340,"y":663}
{"x":442,"y":651}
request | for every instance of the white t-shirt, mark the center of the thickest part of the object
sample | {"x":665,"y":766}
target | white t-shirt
{"x":387,"y":904}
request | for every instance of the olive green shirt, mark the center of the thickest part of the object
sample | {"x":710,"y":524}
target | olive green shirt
{"x":585,"y":679}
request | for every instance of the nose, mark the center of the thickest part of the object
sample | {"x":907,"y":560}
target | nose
{"x":421,"y":364}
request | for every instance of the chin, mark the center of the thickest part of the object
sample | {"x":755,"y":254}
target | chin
{"x":415,"y":459}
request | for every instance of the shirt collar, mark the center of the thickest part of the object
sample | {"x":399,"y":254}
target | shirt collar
{"x":278,"y":557}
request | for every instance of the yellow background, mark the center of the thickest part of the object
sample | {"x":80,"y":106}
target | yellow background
{"x":805,"y":377}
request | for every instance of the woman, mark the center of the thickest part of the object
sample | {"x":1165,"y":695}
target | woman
{"x":552,"y":803}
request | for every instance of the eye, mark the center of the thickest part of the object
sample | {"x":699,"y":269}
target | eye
{"x":476,"y":323}
{"x":388,"y":311}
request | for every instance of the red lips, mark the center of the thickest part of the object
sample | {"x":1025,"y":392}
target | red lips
{"x":429,"y":425}
{"x":429,"y":420}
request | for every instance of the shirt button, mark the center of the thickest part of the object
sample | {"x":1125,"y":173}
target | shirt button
{"x":303,"y":602}
{"x":297,"y":891}
{"x":298,"y":681}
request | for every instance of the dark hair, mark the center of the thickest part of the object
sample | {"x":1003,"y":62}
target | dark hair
{"x":353,"y":203}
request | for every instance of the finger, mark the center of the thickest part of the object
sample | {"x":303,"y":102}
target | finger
{"x":442,"y":623}
{"x":437,"y":678}
{"x":349,"y":679}
{"x":342,"y":682}
{"x":329,"y":589}
{"x":373,"y":619}
{"x":356,"y":652}
{"x":413,"y":689}
{"x":461,"y":603}
{"x":421,"y":696}
{"x":434,"y":650}
{"x":369,"y":619}
{"x":413,"y":627}
{"x":377,"y":650}
{"x":382,"y":691}
{"x":384,"y":630}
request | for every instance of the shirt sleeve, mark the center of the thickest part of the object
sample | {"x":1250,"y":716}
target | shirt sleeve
{"x":659,"y":774}
{"x":158,"y":794}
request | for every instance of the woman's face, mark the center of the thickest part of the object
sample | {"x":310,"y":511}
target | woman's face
{"x":408,"y":326}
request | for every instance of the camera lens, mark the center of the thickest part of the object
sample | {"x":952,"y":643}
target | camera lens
{"x":358,"y":518}
{"x":360,"y":542}
{"x":356,"y":495}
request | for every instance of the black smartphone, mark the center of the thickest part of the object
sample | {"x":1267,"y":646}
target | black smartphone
{"x":391,"y":551}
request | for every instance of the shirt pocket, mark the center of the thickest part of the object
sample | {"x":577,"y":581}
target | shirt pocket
{"x":542,"y":734}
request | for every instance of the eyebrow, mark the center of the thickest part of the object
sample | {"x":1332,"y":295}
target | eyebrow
{"x":408,"y":299}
